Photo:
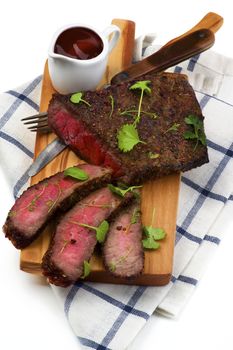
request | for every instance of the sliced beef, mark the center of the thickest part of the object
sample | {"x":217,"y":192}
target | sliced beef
{"x":123,"y":251}
{"x":72,"y":244}
{"x":40,"y":202}
{"x":91,"y":131}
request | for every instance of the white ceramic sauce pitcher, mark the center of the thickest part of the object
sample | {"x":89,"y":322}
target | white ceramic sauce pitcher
{"x":69,"y":75}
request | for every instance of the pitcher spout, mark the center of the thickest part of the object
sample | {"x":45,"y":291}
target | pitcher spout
{"x":55,"y":56}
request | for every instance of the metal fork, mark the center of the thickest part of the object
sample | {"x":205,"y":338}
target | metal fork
{"x":38,"y":122}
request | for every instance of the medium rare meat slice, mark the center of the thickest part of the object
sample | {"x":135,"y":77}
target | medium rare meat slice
{"x":40,"y":202}
{"x":123,"y":251}
{"x":73,"y":242}
{"x":169,"y":143}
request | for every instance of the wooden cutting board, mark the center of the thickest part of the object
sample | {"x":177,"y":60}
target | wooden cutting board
{"x":160,"y":195}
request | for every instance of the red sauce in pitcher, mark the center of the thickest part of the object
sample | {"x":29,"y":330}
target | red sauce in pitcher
{"x":79,"y":43}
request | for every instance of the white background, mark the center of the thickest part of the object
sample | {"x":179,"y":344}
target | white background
{"x":30,"y":317}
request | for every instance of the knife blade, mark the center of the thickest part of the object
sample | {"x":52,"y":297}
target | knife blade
{"x":51,"y":151}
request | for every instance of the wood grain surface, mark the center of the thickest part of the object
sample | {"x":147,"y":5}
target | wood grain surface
{"x":161,"y":195}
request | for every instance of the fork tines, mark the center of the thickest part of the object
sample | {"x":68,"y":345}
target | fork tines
{"x":37,"y":122}
{"x":36,"y":116}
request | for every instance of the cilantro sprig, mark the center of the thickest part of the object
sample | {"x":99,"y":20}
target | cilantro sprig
{"x":197,"y":132}
{"x":77,"y":98}
{"x":144,"y":88}
{"x":152,"y":235}
{"x":128,"y":137}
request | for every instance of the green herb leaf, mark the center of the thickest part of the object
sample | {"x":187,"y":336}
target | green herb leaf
{"x":112,"y":105}
{"x":153,"y":155}
{"x":152,"y":236}
{"x":101,"y":231}
{"x":150,"y":243}
{"x":202,"y":138}
{"x":122,"y":192}
{"x":135,"y":216}
{"x":155,"y":233}
{"x":76,"y":173}
{"x":198,"y":130}
{"x":191,"y":119}
{"x":128,"y":137}
{"x":189,"y":135}
{"x":174,"y":127}
{"x":86,"y":269}
{"x":77,"y":98}
{"x":141,"y":85}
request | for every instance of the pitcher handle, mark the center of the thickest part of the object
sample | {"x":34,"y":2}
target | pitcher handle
{"x":112,"y":29}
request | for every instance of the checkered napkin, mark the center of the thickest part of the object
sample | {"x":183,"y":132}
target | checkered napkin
{"x":106,"y":316}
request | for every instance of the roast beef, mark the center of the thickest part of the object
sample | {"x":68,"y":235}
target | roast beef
{"x":123,"y":251}
{"x":73,"y":243}
{"x":91,"y":129}
{"x":39,"y":203}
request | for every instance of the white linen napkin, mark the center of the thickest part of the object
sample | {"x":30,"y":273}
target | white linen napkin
{"x":105,"y":316}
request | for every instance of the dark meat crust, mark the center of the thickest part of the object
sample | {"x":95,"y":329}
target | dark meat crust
{"x":173,"y":99}
{"x":18,"y":238}
{"x":54,"y":274}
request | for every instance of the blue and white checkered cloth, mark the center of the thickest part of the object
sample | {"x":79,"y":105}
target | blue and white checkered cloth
{"x":106,"y":316}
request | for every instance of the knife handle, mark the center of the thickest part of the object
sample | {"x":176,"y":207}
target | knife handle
{"x":210,"y":21}
{"x":169,"y":55}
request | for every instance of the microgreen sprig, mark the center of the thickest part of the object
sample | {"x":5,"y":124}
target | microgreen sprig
{"x":77,"y":98}
{"x":143,"y":86}
{"x":122,"y":192}
{"x":128,"y":134}
{"x":100,"y":230}
{"x":152,"y":235}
